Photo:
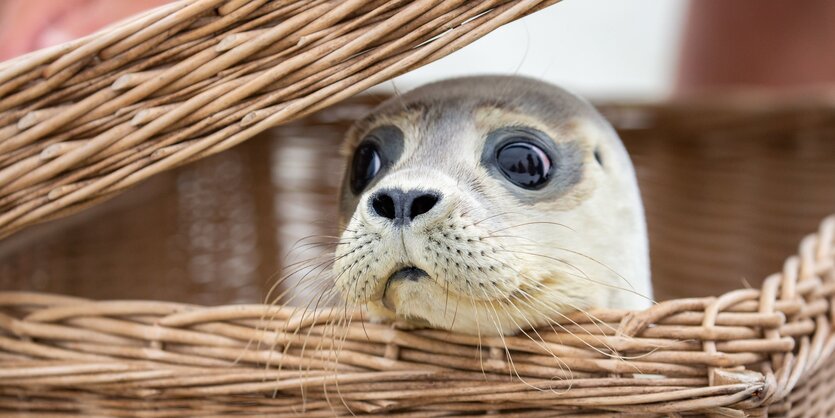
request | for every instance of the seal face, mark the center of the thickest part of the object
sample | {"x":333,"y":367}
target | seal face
{"x":487,"y":205}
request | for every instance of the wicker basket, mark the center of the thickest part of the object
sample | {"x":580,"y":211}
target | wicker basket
{"x":728,"y":186}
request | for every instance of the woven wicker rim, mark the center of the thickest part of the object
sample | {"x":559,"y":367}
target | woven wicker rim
{"x":84,"y":120}
{"x":740,"y":352}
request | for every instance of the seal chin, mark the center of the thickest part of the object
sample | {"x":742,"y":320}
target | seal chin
{"x":405,"y":274}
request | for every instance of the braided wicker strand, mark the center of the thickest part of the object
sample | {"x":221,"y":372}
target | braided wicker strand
{"x":749,"y":351}
{"x":81,"y":121}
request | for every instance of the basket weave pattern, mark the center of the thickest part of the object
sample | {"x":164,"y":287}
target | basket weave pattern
{"x":83,"y":120}
{"x":744,"y":352}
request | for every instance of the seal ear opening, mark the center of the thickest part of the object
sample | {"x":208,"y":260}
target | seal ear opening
{"x":598,"y":157}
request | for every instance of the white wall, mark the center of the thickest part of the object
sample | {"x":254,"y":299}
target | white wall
{"x":602,"y":49}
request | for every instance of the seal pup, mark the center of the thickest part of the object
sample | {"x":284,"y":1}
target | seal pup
{"x":486,"y":205}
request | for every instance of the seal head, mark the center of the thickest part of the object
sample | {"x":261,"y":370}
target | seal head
{"x":486,"y":205}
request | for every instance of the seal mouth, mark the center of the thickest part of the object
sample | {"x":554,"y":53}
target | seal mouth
{"x":409,"y":273}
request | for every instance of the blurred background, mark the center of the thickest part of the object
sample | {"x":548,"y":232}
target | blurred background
{"x":724,"y":106}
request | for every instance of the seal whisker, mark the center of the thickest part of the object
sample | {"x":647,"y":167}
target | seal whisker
{"x":542,"y":303}
{"x":313,"y":312}
{"x":496,"y":215}
{"x":294,"y":291}
{"x":533,"y":223}
{"x":455,"y":312}
{"x":324,"y":244}
{"x":612,"y":352}
{"x":620,"y":276}
{"x":326,"y":293}
{"x":325,"y":267}
{"x":330,"y":355}
{"x":496,"y":321}
{"x":478,"y":332}
{"x":545,"y":305}
{"x":299,"y":266}
{"x":586,"y":276}
{"x":304,"y":311}
{"x":599,"y":322}
{"x":300,"y":244}
{"x":541,"y":343}
{"x":348,"y":320}
{"x":582,"y":273}
{"x":302,"y":371}
{"x":446,"y":297}
{"x":565,"y":367}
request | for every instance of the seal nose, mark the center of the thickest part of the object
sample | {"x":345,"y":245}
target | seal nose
{"x":402,"y":207}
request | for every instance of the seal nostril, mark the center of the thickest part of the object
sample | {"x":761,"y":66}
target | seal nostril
{"x":421,"y":205}
{"x":402,"y":207}
{"x":383,"y":204}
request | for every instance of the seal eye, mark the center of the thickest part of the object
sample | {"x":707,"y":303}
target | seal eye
{"x":365,"y":165}
{"x":524,"y":164}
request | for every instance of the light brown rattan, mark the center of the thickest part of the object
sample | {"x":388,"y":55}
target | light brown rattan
{"x":83,"y":120}
{"x":748,"y":351}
